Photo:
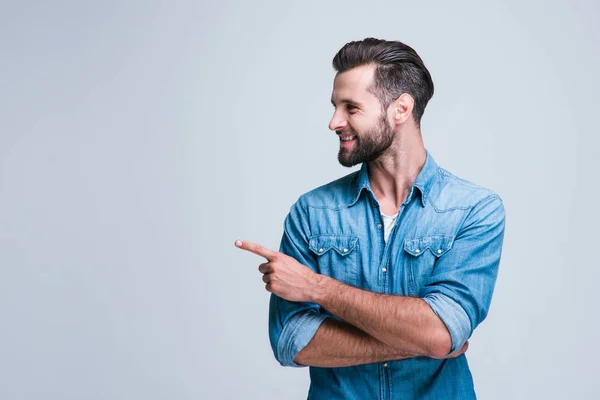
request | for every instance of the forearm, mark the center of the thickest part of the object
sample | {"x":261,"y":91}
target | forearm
{"x":339,"y":344}
{"x":404,"y":323}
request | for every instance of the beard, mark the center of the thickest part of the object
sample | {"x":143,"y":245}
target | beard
{"x":369,"y":145}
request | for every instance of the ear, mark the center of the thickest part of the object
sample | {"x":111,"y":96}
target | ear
{"x":402,"y":108}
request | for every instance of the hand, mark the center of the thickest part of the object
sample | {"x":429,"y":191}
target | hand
{"x":283,"y":275}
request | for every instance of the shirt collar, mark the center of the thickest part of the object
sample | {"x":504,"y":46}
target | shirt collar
{"x":423,"y":183}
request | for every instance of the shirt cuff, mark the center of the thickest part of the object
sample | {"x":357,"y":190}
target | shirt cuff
{"x":296,"y":334}
{"x":453,"y":316}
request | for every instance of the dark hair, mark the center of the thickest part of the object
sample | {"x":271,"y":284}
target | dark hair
{"x":399,"y":69}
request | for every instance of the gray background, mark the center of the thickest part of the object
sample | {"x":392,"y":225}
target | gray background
{"x":138,"y":140}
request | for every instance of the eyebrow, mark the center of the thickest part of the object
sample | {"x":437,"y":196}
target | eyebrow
{"x":347,"y":101}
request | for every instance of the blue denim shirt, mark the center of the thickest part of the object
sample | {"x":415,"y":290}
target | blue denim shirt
{"x":444,"y":248}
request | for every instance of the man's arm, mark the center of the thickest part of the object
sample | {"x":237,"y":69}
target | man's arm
{"x":339,"y":344}
{"x":458,"y":292}
{"x":300,"y":334}
{"x":297,"y":324}
{"x":293,"y":324}
{"x":453,"y":303}
{"x":406,"y":324}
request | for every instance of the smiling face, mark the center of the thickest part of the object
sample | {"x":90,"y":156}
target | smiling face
{"x":363,"y":127}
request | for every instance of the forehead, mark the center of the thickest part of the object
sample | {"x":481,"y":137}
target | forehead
{"x":353,"y":84}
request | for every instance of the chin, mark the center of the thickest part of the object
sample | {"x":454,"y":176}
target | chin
{"x":347,"y":162}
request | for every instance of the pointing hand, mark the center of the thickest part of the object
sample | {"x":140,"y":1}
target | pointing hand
{"x":283,"y":275}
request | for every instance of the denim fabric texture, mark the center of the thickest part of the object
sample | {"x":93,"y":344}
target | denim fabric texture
{"x":444,"y":248}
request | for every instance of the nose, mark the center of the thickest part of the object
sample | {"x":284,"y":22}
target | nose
{"x":338,"y":121}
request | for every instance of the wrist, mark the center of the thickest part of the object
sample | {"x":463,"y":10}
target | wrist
{"x":321,"y":288}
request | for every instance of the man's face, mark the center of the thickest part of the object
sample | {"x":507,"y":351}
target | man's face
{"x":362,"y":126}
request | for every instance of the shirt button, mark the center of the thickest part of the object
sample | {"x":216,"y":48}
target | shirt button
{"x":384,"y":269}
{"x":379,"y":225}
{"x":345,"y":250}
{"x":385,"y":365}
{"x":320,"y":250}
{"x":417,"y":251}
{"x":439,"y":251}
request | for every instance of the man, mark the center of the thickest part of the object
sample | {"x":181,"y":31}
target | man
{"x":383,"y":275}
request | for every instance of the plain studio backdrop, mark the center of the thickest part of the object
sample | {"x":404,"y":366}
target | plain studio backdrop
{"x":138,"y":140}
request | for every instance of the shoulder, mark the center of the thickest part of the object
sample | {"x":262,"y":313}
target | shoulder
{"x":451,"y":192}
{"x":336,"y":194}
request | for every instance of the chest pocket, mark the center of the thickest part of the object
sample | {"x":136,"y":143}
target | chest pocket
{"x":422,"y":254}
{"x":337,"y":256}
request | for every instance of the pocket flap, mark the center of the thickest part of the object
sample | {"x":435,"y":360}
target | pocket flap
{"x":343,"y":244}
{"x":437,"y":244}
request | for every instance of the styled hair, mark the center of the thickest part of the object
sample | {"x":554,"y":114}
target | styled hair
{"x":399,"y":69}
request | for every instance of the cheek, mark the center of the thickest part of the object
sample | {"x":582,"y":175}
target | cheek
{"x":358,"y":123}
{"x":361,"y":123}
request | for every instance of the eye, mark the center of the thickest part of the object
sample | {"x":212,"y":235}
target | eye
{"x":351,"y":108}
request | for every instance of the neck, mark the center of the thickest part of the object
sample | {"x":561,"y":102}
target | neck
{"x":395,"y":171}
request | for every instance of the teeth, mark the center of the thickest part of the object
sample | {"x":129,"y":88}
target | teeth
{"x":346,"y":138}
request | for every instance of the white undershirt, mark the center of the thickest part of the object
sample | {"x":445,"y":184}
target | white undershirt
{"x":388,"y":223}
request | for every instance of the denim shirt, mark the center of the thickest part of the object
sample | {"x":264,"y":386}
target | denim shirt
{"x":445,"y":248}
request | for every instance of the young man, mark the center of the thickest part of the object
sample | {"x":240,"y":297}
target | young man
{"x":383,"y":275}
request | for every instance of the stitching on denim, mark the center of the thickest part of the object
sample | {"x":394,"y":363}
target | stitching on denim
{"x":429,"y":246}
{"x":334,"y":208}
{"x":464,"y":183}
{"x":490,"y":195}
{"x":351,"y":240}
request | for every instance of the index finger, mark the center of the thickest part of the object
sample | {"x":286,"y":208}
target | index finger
{"x":256,"y":249}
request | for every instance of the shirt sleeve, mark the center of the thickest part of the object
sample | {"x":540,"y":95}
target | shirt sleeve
{"x":293,"y":324}
{"x":462,"y":283}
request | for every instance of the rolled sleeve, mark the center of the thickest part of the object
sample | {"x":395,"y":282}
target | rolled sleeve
{"x":296,"y":334}
{"x":460,"y":288}
{"x":293,"y":324}
{"x":454,"y":317}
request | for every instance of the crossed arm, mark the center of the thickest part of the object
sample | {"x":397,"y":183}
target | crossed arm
{"x":339,"y":344}
{"x":378,"y":327}
{"x":374,"y":327}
